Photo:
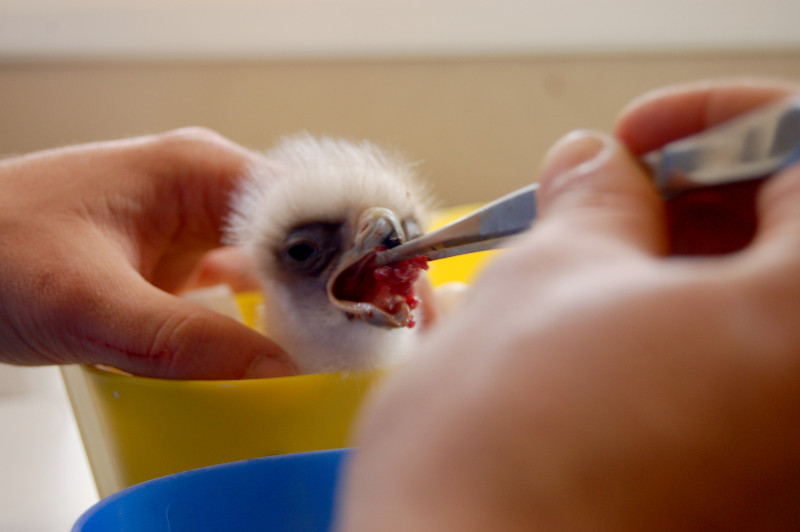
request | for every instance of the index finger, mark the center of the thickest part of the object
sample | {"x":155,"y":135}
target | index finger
{"x":180,"y":183}
{"x":204,"y":168}
{"x":671,"y":113}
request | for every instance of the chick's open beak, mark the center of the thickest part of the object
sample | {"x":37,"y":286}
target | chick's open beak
{"x":380,"y":295}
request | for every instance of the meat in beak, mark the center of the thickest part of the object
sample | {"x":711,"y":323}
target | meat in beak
{"x":380,"y":295}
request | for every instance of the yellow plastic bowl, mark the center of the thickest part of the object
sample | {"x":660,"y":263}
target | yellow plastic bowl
{"x":135,"y":428}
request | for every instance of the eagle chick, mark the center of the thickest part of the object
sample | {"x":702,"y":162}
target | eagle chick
{"x":311,"y":218}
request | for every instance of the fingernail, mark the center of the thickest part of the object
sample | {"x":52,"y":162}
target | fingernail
{"x":577,"y":153}
{"x":270,"y":366}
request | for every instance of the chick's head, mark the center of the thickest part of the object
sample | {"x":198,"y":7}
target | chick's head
{"x":312,"y":217}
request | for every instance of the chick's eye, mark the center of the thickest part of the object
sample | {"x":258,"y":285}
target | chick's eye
{"x":302,"y":251}
{"x":309,"y":249}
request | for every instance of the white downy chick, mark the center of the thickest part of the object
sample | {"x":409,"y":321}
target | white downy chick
{"x":312,"y":218}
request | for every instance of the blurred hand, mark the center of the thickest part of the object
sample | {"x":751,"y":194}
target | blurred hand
{"x":713,"y":220}
{"x":595,"y":381}
{"x":94,"y":238}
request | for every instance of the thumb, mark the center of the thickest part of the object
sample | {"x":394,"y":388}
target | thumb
{"x":778,"y":212}
{"x":151,"y":333}
{"x":591,"y":185}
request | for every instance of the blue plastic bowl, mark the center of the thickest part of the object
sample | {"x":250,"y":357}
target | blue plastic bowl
{"x":292,"y":492}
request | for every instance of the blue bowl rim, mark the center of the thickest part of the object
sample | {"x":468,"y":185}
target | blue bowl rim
{"x":203,"y":471}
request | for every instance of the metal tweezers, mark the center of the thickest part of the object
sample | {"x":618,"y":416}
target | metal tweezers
{"x":751,"y":146}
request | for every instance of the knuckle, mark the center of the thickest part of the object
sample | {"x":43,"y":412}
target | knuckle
{"x":189,"y":143}
{"x":170,"y":349}
{"x":191,"y":135}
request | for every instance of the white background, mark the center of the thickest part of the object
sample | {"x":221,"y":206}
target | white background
{"x":337,"y":28}
{"x":45,"y":481}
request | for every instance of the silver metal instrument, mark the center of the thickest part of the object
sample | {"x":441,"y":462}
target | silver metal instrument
{"x":751,"y":146}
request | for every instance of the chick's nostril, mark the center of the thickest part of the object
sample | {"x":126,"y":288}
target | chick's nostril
{"x":392,"y":240}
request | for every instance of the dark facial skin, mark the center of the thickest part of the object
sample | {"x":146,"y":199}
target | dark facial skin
{"x":310,"y":248}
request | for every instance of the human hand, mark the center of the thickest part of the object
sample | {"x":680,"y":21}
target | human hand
{"x":228,"y":265}
{"x":593,"y":381}
{"x":94,"y":238}
{"x":711,"y":220}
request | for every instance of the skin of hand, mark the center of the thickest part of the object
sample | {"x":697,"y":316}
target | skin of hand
{"x":229,"y":265}
{"x":596,"y":379}
{"x":93,"y":240}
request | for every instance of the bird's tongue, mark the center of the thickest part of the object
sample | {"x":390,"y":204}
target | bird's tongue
{"x":386,"y":287}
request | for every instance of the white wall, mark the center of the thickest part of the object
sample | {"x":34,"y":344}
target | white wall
{"x":347,"y":28}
